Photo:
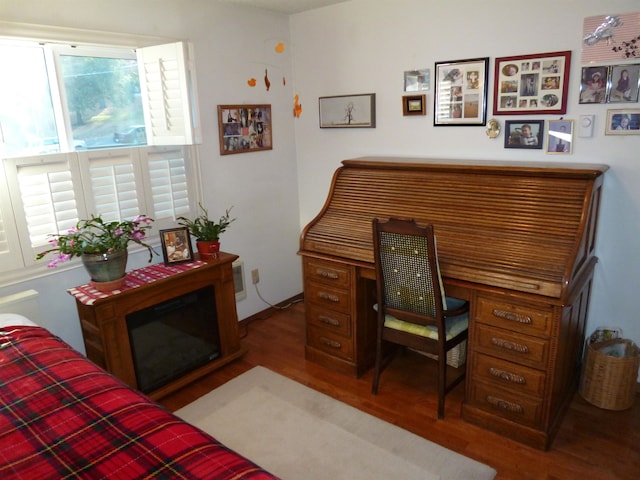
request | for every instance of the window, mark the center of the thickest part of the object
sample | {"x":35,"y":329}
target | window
{"x":92,"y":130}
{"x":27,"y":114}
{"x":55,"y":191}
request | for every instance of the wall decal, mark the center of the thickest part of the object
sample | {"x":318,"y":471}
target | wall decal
{"x":610,"y":37}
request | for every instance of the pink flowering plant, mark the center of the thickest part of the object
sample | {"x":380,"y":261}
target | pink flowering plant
{"x":97,"y":236}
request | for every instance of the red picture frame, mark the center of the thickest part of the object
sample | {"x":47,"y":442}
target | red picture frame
{"x":532,"y":84}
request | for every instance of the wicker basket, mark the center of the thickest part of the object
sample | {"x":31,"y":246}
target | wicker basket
{"x":609,"y":380}
{"x":456,"y":357}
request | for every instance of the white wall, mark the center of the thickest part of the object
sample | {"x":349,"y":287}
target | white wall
{"x":364,"y":46}
{"x":231,"y":45}
{"x":357,"y":47}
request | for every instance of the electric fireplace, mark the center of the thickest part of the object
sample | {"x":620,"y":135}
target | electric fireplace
{"x":168,"y":325}
{"x":173,"y":337}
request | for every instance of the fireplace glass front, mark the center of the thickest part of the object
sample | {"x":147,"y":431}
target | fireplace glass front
{"x":173,"y":338}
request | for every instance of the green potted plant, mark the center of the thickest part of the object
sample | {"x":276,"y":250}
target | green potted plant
{"x":207,"y":231}
{"x":102,"y":246}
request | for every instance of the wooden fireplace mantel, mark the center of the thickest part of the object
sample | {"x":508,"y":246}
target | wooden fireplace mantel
{"x":104,"y":326}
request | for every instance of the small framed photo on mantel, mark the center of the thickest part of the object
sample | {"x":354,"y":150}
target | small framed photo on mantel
{"x":176,"y":246}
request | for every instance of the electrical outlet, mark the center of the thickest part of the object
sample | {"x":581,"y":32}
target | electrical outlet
{"x":255,"y":276}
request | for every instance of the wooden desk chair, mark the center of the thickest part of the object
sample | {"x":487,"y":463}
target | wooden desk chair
{"x":412,"y":310}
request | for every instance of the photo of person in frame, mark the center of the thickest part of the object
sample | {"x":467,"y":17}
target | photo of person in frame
{"x":594,"y":85}
{"x":624,"y":83}
{"x":621,"y":122}
{"x":559,"y":136}
{"x":524,"y":134}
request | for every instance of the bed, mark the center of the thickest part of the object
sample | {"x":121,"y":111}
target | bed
{"x":64,"y":417}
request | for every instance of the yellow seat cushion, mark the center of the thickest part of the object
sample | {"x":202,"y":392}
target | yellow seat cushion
{"x":454,"y":325}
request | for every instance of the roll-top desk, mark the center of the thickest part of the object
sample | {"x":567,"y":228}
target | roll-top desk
{"x":515,"y":239}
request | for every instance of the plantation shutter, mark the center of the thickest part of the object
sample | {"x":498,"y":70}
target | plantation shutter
{"x":168,"y":171}
{"x":167,"y":83}
{"x":114,"y":183}
{"x":47,"y":190}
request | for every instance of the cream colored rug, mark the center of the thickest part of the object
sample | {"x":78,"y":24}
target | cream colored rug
{"x":298,"y":433}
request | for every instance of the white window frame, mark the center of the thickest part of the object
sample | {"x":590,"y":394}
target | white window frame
{"x":14,"y":234}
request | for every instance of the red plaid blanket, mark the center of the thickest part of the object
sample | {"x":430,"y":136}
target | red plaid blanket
{"x":61,"y":416}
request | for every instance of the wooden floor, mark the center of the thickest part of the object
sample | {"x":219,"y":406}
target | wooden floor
{"x":591,"y":444}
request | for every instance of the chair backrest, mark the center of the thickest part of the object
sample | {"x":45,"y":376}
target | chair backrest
{"x":408,"y":280}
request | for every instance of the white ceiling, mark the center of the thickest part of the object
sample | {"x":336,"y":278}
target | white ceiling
{"x":287,"y":6}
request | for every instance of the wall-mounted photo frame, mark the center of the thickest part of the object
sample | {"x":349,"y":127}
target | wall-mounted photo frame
{"x":417,"y":80}
{"x":560,"y":137}
{"x":461,"y":92}
{"x":532,"y":84}
{"x":414,"y":105}
{"x":525,"y":134}
{"x":348,"y":111}
{"x":623,"y":122}
{"x":593,"y":84}
{"x":244,"y":128}
{"x":623,"y":83}
{"x":176,"y":246}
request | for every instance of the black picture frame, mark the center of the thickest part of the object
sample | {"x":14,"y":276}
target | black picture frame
{"x":461,"y":92}
{"x":515,"y":136}
{"x":176,"y":246}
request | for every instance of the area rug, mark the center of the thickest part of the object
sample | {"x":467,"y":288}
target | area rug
{"x":298,"y":433}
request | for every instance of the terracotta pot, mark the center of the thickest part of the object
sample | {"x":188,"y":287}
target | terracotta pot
{"x":208,"y":250}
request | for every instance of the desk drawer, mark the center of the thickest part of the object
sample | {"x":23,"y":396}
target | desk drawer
{"x":518,"y":318}
{"x":518,"y":408}
{"x":515,"y":378}
{"x":329,"y":342}
{"x":329,"y":297}
{"x":332,"y":321}
{"x":522,"y":349}
{"x":326,"y":272}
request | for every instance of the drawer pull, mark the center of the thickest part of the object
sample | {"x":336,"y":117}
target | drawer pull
{"x":516,"y":347}
{"x":329,"y":321}
{"x":504,"y":405}
{"x":509,"y":377}
{"x":329,"y":297}
{"x":331,"y":343}
{"x":327,"y":274}
{"x":514,"y":317}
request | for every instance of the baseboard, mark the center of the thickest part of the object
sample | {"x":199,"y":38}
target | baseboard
{"x":270,"y":311}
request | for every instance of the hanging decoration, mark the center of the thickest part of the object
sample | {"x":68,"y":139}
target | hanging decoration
{"x":267,"y":82}
{"x":297,"y":106}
